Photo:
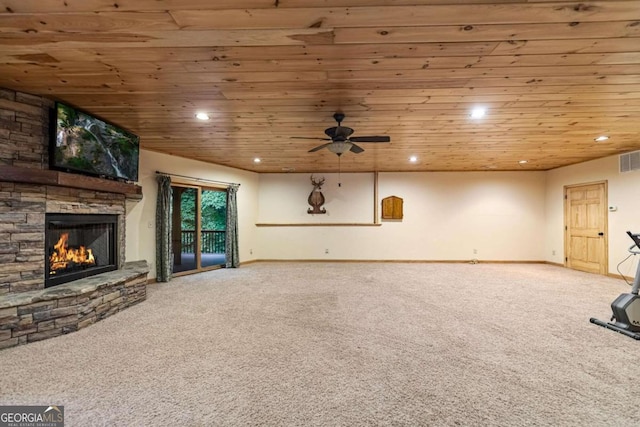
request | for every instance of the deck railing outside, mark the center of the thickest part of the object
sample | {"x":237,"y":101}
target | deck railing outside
{"x":213,"y":241}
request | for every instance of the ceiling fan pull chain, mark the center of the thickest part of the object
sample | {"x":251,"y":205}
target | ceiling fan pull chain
{"x":339,"y":183}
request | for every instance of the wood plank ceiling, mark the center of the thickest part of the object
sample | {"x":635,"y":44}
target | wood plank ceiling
{"x":552,"y":75}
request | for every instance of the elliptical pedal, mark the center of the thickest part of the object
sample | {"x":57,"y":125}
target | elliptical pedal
{"x":613,"y":327}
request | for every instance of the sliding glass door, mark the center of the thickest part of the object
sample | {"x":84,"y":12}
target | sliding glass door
{"x":198,"y":228}
{"x":183,"y":228}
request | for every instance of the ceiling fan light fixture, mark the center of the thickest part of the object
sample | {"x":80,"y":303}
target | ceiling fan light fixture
{"x":339,"y":147}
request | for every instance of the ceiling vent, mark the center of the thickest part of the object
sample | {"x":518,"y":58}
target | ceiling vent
{"x":630,"y":161}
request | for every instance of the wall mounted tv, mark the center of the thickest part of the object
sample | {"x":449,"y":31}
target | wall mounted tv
{"x":82,"y":143}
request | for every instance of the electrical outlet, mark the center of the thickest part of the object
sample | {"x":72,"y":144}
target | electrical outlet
{"x":150,"y":224}
{"x":326,"y":251}
{"x":553,"y":252}
{"x":250,"y":251}
{"x":475,"y":252}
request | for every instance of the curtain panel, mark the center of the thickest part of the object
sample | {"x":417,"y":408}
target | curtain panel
{"x":231,"y":246}
{"x":164,"y":263}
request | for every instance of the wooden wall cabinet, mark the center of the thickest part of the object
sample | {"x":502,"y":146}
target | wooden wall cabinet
{"x":392,"y":207}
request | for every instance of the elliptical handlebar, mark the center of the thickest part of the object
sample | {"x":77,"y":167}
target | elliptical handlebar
{"x":635,"y":288}
{"x":636,"y":243}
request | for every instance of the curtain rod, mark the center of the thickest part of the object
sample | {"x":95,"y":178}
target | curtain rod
{"x":197,"y":179}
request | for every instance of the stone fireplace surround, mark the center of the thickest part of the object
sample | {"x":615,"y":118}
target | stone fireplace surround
{"x":28,"y":190}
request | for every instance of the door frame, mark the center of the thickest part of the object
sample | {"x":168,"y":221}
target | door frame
{"x":605,"y":212}
{"x":185,"y":184}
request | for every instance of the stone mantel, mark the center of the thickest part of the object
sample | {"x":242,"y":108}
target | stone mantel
{"x":63,"y":179}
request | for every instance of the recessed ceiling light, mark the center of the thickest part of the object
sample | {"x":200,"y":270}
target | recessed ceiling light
{"x":256,"y":160}
{"x":601,"y":138}
{"x":202,"y":116}
{"x":413,"y":159}
{"x":478,"y":112}
{"x":523,"y":162}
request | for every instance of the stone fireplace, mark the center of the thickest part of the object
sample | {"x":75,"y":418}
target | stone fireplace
{"x":45,"y":213}
{"x":25,"y":228}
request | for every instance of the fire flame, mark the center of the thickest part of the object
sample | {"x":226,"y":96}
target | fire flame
{"x":62,"y":255}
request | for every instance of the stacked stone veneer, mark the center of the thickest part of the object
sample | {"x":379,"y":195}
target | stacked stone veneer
{"x":37,"y":315}
{"x":24,"y":139}
{"x":22,"y":224}
{"x":24,"y":129}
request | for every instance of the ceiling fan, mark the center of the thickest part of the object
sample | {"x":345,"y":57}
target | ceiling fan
{"x":341,"y":139}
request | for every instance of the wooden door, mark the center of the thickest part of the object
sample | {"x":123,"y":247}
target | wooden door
{"x":586,"y":227}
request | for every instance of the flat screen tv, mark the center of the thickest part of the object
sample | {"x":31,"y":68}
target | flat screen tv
{"x":82,"y":143}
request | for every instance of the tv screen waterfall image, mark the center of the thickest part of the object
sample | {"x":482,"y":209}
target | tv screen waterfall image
{"x":86,"y":144}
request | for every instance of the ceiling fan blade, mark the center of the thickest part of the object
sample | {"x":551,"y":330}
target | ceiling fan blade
{"x":320,"y":147}
{"x":370,"y":139}
{"x":305,"y":137}
{"x":355,"y":149}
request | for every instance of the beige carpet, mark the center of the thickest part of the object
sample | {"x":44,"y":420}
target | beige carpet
{"x":332,"y":344}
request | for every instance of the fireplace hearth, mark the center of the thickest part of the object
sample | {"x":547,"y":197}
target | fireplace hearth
{"x":79,"y":245}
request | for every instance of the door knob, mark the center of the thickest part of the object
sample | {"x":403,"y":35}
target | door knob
{"x":601,"y":234}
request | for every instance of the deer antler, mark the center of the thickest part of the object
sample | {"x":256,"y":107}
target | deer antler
{"x":317,"y":183}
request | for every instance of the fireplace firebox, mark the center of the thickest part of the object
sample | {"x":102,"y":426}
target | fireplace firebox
{"x":79,"y":245}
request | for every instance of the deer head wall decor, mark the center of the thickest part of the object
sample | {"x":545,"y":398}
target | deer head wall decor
{"x":316,"y":199}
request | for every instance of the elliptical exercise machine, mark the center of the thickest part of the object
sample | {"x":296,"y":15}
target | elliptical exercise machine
{"x":626,"y":308}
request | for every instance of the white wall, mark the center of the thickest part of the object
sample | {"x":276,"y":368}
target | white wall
{"x":283,"y":198}
{"x":446,"y":217}
{"x":623,"y":192}
{"x":513,"y":216}
{"x":140,"y":239}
